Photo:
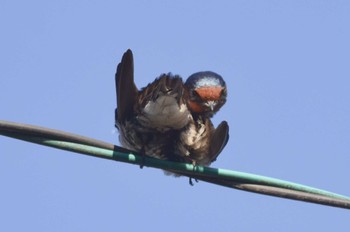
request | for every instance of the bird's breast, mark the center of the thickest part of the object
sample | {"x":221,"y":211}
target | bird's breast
{"x":164,"y":113}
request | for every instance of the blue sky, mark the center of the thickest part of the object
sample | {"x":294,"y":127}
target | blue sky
{"x":286,"y":64}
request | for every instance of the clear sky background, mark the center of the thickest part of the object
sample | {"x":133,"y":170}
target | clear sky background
{"x":286,"y":64}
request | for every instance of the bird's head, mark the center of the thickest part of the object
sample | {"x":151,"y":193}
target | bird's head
{"x":207,"y":93}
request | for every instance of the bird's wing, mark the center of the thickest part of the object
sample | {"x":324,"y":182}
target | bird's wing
{"x":125,"y":87}
{"x":219,"y":140}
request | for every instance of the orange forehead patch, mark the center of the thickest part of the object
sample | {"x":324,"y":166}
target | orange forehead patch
{"x":209,"y":93}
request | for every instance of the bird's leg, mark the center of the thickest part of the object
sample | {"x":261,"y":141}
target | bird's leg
{"x":194,"y":168}
{"x":191,"y":182}
{"x":143,"y":155}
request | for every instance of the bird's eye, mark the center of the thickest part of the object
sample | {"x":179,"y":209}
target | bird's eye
{"x":195,"y":95}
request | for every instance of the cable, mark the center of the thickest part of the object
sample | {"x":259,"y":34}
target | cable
{"x":233,"y":179}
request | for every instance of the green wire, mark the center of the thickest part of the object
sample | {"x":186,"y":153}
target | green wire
{"x":233,"y":179}
{"x":223,"y":174}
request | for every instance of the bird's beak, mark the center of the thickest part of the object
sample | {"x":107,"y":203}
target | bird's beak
{"x":211,"y":105}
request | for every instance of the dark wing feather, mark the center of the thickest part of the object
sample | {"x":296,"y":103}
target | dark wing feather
{"x":166,"y":84}
{"x":126,"y":89}
{"x":219,"y":140}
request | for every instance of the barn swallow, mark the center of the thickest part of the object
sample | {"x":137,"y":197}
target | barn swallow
{"x":169,"y":119}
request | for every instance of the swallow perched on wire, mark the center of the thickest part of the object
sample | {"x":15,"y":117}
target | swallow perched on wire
{"x":169,"y":119}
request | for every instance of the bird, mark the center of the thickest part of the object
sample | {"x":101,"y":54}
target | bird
{"x":170,"y":119}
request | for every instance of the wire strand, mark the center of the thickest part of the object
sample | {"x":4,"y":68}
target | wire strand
{"x":233,"y":179}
